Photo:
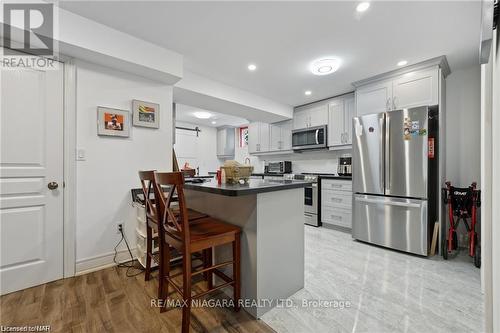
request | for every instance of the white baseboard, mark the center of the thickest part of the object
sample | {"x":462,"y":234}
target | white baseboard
{"x":92,"y":264}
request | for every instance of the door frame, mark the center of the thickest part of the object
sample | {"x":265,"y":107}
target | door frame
{"x":69,"y":185}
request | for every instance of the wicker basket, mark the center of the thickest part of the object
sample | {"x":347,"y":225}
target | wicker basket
{"x":235,"y":173}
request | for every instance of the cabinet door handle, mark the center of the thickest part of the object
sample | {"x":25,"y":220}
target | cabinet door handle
{"x":394,"y":102}
{"x":388,"y":103}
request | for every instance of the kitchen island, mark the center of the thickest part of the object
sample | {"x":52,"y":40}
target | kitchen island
{"x":271,"y":215}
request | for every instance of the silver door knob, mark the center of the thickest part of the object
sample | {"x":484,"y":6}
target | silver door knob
{"x":52,"y":185}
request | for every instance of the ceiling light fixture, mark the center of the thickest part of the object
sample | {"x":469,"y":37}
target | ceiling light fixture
{"x":214,"y":122}
{"x":252,"y":67}
{"x":202,"y":114}
{"x":307,"y":92}
{"x":402,"y":63}
{"x":324,"y":66}
{"x":363,"y":6}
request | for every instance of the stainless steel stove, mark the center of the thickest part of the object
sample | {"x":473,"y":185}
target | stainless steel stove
{"x":311,"y":197}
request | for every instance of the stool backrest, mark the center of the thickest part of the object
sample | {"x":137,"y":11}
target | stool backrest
{"x":148,"y":185}
{"x":175,"y":227}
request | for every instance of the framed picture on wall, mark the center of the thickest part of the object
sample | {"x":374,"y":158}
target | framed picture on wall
{"x":146,"y":114}
{"x":113,"y":122}
{"x":243,"y":136}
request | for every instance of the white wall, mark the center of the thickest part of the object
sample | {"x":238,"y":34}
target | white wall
{"x":105,"y":178}
{"x":198,"y":151}
{"x":324,"y":161}
{"x":463,"y":126}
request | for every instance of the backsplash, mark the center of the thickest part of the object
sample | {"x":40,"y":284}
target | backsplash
{"x":324,"y":161}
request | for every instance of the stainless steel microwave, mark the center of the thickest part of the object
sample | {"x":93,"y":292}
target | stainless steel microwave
{"x":309,"y":138}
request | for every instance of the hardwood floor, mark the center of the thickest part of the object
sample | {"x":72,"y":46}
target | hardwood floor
{"x":108,"y":301}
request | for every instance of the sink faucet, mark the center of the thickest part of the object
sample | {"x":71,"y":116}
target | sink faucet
{"x":247,"y":159}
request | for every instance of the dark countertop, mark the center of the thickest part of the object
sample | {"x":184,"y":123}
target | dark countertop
{"x":253,"y":187}
{"x":335,"y":177}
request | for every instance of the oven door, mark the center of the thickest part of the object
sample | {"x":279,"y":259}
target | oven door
{"x":311,"y":199}
{"x":309,"y":138}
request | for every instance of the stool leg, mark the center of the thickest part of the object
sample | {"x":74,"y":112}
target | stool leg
{"x":164,"y":273}
{"x":236,"y":273}
{"x":149,"y":251}
{"x":186,"y":286}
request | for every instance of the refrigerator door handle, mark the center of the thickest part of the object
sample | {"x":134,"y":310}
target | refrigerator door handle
{"x":381,"y":153}
{"x":389,"y":202}
{"x":387,"y":154}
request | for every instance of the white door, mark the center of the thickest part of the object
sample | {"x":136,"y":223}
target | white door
{"x":318,"y":115}
{"x":286,"y":135}
{"x":253,"y":137}
{"x":336,"y":122}
{"x":348,"y":115}
{"x":275,"y":134}
{"x":31,"y":214}
{"x":374,"y":98}
{"x":300,"y":119}
{"x":418,"y":88}
{"x":264,"y":137}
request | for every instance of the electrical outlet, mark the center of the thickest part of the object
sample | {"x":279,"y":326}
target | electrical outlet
{"x":119,"y":228}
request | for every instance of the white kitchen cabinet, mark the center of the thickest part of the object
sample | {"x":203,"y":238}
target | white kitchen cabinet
{"x":258,"y":137}
{"x":415,"y":89}
{"x":318,"y":116}
{"x":374,"y":98}
{"x":409,"y":89}
{"x":311,"y":116}
{"x":349,"y":113}
{"x":280,"y":136}
{"x":300,"y":119}
{"x":225,"y":142}
{"x":336,"y":202}
{"x":340,"y":113}
{"x":286,"y":135}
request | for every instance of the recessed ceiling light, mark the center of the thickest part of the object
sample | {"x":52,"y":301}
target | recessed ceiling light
{"x":324,"y":66}
{"x":307,"y":92}
{"x":202,"y":114}
{"x":252,"y":67}
{"x":363,"y":6}
{"x":402,"y":63}
{"x":214,"y":122}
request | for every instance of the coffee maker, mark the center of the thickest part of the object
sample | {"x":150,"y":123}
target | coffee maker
{"x":344,"y":167}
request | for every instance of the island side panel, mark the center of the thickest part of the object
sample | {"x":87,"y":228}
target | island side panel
{"x":240,"y":211}
{"x":280,"y":240}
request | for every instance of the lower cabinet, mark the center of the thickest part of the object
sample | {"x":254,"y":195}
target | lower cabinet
{"x":336,"y":202}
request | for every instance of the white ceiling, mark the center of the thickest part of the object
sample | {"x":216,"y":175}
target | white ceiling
{"x":185,"y":113}
{"x":219,"y":39}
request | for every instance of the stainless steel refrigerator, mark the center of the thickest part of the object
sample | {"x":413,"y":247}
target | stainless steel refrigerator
{"x":395,"y":178}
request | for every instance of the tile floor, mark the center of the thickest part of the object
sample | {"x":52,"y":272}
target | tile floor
{"x":388,"y":291}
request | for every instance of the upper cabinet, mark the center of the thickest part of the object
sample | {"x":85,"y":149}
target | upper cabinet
{"x":416,"y":89}
{"x":225,"y":142}
{"x":280,"y":136}
{"x":265,"y":138}
{"x":311,"y":116}
{"x":340,"y":113}
{"x":417,"y":85}
{"x":258,"y":137}
{"x":374,"y":98}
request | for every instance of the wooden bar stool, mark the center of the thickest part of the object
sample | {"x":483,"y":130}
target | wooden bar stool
{"x":201,"y":235}
{"x":148,"y":184}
